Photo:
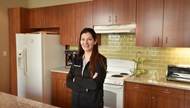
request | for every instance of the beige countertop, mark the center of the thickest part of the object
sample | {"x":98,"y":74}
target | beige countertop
{"x":151,"y":77}
{"x":12,"y":101}
{"x":61,"y":69}
{"x":159,"y":79}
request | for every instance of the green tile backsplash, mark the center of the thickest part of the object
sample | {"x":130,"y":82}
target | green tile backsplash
{"x":122,"y":46}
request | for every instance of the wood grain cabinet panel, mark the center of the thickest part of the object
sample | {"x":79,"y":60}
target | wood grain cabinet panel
{"x":164,"y":97}
{"x":45,"y":17}
{"x":108,"y":12}
{"x":137,"y":96}
{"x":149,"y":96}
{"x":61,"y":95}
{"x":76,"y":17}
{"x":149,"y":22}
{"x":187,"y":98}
{"x":163,"y":23}
{"x":176,"y":28}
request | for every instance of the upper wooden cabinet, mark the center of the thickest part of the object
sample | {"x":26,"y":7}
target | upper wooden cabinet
{"x":163,"y":23}
{"x":108,"y":12}
{"x":45,"y":17}
{"x":149,"y":22}
{"x":75,"y":17}
{"x":176,"y":28}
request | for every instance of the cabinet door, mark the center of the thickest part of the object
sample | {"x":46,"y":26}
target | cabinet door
{"x":187,"y":99}
{"x":61,"y":95}
{"x":62,"y":19}
{"x":77,"y":16}
{"x":83,"y":18}
{"x":137,"y":96}
{"x":149,"y":23}
{"x":50,"y":17}
{"x":102,"y":12}
{"x":163,"y":97}
{"x":69,"y":25}
{"x":176,"y":23}
{"x":35,"y":18}
{"x":124,"y":11}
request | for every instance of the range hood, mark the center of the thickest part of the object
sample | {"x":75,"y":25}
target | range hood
{"x":128,"y":28}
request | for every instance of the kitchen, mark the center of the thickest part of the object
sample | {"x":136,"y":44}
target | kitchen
{"x":157,"y":58}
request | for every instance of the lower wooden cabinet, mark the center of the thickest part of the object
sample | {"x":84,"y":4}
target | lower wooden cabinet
{"x":61,"y":95}
{"x":187,"y":99}
{"x":149,"y":96}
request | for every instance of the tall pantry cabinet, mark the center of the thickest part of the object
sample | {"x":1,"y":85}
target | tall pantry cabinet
{"x":18,"y":23}
{"x":163,"y":23}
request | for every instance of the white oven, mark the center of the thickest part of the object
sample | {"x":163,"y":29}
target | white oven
{"x":113,"y":96}
{"x":118,"y":70}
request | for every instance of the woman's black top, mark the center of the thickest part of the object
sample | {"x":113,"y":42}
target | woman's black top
{"x":86,"y":91}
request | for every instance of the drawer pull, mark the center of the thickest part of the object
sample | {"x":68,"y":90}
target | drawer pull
{"x":166,"y":92}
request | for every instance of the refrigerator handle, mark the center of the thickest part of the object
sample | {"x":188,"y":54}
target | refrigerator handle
{"x":25,"y":60}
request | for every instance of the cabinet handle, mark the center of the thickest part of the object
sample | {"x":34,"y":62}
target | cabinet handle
{"x":109,"y":19}
{"x":115,"y":18}
{"x":158,"y":40}
{"x":40,"y":23}
{"x":166,"y":40}
{"x":58,"y":75}
{"x":44,"y":23}
{"x":166,"y":91}
{"x":137,"y":87}
{"x":155,"y":101}
{"x":147,"y":101}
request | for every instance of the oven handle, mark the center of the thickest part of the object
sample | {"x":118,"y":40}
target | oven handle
{"x":113,"y":86}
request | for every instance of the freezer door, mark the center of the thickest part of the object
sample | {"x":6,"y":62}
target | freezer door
{"x":21,"y":77}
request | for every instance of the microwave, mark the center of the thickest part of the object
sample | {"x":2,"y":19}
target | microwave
{"x":178,"y":73}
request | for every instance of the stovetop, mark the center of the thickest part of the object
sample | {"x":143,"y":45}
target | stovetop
{"x":118,"y":70}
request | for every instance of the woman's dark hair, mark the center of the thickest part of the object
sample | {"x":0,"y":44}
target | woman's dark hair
{"x":95,"y":53}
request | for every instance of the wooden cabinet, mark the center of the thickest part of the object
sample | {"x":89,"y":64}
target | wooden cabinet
{"x":149,"y":96}
{"x":45,"y":17}
{"x":108,"y":12}
{"x":164,"y":97}
{"x":76,"y":17}
{"x":187,"y":98}
{"x":137,"y":96}
{"x":149,"y":22}
{"x":163,"y":23}
{"x":61,"y":95}
{"x":176,"y":28}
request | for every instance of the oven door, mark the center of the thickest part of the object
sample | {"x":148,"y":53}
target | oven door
{"x":113,"y":96}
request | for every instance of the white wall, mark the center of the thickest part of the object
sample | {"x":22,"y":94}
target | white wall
{"x":43,"y":3}
{"x":4,"y":41}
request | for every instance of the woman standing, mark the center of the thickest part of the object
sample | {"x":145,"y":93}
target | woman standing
{"x":87,"y":73}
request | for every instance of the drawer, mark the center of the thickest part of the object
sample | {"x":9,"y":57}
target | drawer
{"x":136,"y":86}
{"x":167,"y":90}
{"x":58,"y":75}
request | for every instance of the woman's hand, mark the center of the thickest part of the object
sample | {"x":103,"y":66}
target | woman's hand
{"x":95,"y":75}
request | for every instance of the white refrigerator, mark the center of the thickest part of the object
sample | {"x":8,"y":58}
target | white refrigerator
{"x":37,"y":54}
